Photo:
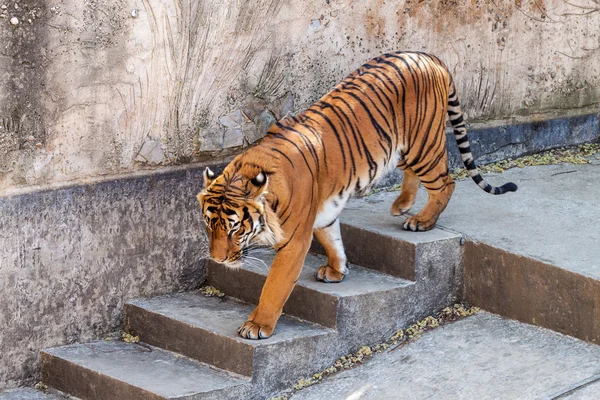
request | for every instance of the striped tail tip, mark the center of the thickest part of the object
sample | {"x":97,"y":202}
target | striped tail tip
{"x":507,"y":187}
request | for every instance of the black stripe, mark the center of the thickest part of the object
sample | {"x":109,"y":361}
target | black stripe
{"x":390,"y":109}
{"x":417,"y":91}
{"x":385,"y":82}
{"x":372,"y":164}
{"x":403,"y":81}
{"x":380,"y":131}
{"x":462,"y":140}
{"x":227,"y":211}
{"x":287,"y":207}
{"x":329,"y":224}
{"x":341,"y":114}
{"x":347,"y":139}
{"x":309,"y":145}
{"x":288,"y":241}
{"x":438,"y":143}
{"x":377,"y":91}
{"x":457,"y":121}
{"x":335,"y":132}
{"x":282,"y":137}
{"x":274,"y":205}
{"x":283,"y":154}
{"x":246,"y":214}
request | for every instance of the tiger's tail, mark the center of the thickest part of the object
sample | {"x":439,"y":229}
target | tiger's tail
{"x":460,"y":133}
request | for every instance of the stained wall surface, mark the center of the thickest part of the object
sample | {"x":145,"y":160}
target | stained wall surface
{"x":95,"y":93}
{"x":89,"y":88}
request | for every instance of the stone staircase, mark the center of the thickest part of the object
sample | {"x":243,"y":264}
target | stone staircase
{"x":190,"y":348}
{"x":531,"y":257}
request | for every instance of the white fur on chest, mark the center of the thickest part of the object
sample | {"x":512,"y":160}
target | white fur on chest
{"x":330,"y":210}
{"x":333,"y":206}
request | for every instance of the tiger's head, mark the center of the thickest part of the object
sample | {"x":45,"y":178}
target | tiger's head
{"x":236,"y":214}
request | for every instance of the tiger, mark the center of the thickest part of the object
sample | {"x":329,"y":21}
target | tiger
{"x":389,"y":113}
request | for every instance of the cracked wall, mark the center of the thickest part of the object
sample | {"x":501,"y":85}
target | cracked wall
{"x":86,"y":84}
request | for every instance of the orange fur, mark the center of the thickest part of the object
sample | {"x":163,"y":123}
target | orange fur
{"x":389,"y":113}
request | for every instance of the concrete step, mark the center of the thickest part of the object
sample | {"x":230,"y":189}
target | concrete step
{"x":375,"y":239}
{"x":205,"y":328}
{"x":532,"y":255}
{"x":117,"y":370}
{"x":410,"y":275}
{"x":32,"y":394}
{"x":366,"y":307}
{"x":319,"y":302}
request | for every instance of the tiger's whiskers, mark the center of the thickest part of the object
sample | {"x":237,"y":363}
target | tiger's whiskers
{"x":252,"y":260}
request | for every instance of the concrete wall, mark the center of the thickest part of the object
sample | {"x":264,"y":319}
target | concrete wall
{"x":101,"y":87}
{"x":70,"y":257}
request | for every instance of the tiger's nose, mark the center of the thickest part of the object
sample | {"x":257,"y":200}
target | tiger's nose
{"x":218,"y":251}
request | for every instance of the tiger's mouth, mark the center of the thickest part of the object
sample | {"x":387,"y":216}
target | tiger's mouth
{"x":233,"y":262}
{"x":236,"y":260}
{"x":236,"y":257}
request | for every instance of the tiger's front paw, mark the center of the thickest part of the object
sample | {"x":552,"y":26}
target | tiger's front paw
{"x":329,"y":275}
{"x":418,"y":224}
{"x":251,"y":330}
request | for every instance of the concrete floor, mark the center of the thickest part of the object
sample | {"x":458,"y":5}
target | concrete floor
{"x":480,"y":357}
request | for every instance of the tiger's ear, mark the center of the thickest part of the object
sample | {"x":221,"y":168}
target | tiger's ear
{"x":209,"y":177}
{"x":259,"y":184}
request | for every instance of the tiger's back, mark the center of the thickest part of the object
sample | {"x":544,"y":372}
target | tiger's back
{"x":387,"y":114}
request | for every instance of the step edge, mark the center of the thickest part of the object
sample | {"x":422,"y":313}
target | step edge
{"x":243,"y":380}
{"x":338,"y":300}
{"x":452,"y":234}
{"x":242,"y":347}
{"x":71,"y":364}
{"x":233,"y":375}
{"x":400,"y":282}
{"x":323,"y":330}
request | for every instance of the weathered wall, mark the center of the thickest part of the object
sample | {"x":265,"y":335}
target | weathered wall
{"x":90,"y":88}
{"x":70,"y":258}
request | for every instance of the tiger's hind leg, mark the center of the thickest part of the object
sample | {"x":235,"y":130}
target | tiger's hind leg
{"x":435,"y":177}
{"x":331,"y":240}
{"x":410,"y":185}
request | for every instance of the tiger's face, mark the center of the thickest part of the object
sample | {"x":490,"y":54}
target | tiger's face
{"x":236,"y":216}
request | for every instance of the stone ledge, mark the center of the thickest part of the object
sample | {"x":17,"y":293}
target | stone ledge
{"x":532,"y":291}
{"x":491,"y":142}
